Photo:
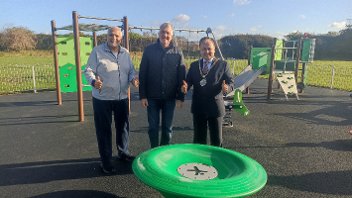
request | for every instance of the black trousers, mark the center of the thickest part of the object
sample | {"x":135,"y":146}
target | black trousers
{"x":104,"y":110}
{"x":201,"y":123}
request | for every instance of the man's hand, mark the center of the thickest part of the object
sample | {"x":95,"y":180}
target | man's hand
{"x":144,"y":102}
{"x":184,"y":87}
{"x":98,"y":83}
{"x":135,"y":82}
{"x":225,"y":87}
{"x":179,"y":104}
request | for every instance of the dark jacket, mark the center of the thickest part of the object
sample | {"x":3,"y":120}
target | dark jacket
{"x":161,"y":73}
{"x":208,"y":99}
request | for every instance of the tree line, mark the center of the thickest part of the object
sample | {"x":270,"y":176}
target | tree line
{"x":331,"y":46}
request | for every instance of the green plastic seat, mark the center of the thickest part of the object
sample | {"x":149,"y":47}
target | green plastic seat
{"x":194,"y":170}
{"x":238,"y":104}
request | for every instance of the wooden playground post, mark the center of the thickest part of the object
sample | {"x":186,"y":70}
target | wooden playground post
{"x":271,"y":74}
{"x":95,"y":39}
{"x":78,"y":66}
{"x":56,"y":63}
{"x":298,"y":57}
{"x":127,"y":46}
{"x":248,"y":63}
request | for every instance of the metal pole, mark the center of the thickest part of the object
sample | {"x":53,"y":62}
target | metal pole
{"x":78,"y":65}
{"x":271,"y":74}
{"x":33,"y":77}
{"x":332,"y":76}
{"x":234,"y":66}
{"x":99,"y":18}
{"x":56,"y":63}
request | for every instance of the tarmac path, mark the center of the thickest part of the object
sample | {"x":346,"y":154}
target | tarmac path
{"x":303,"y":145}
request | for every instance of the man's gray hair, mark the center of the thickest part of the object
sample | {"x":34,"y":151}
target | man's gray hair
{"x":115,"y":27}
{"x":165,"y":25}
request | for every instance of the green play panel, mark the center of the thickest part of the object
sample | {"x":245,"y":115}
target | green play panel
{"x":194,"y":170}
{"x":68,"y":78}
{"x":66,"y":59}
{"x":260,"y":57}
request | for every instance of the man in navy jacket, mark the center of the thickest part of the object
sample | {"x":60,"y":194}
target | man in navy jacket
{"x":161,"y":74}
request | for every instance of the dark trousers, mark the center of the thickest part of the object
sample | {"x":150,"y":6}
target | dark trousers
{"x":103,"y":110}
{"x":201,"y":123}
{"x":167,"y":109}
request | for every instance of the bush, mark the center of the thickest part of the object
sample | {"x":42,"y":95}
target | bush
{"x":17,"y":39}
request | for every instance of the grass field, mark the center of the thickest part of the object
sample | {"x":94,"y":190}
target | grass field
{"x":17,"y":69}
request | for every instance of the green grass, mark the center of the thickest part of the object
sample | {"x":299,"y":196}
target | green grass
{"x":16,"y":71}
{"x":319,"y":73}
{"x":27,"y":58}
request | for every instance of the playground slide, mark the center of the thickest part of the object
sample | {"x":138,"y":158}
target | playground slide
{"x":246,"y":78}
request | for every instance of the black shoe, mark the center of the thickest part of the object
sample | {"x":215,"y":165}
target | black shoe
{"x":107,"y":170}
{"x":125,"y":157}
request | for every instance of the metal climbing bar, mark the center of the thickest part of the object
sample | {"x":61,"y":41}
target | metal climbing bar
{"x":175,"y":30}
{"x":99,"y":18}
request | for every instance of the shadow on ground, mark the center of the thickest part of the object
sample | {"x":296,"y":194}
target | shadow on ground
{"x":77,"y":194}
{"x":333,"y":182}
{"x":42,"y":172}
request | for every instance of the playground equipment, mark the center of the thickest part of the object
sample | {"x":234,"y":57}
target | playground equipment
{"x":285,"y":64}
{"x":259,"y":62}
{"x":194,"y":170}
{"x":69,"y":65}
{"x":237,"y":105}
{"x":281,"y":62}
{"x":208,"y":32}
{"x":66,"y":59}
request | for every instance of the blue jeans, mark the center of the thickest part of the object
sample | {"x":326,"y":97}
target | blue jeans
{"x":103,"y":111}
{"x":167,"y":109}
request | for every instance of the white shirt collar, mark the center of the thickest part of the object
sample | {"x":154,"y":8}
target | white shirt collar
{"x":209,"y":62}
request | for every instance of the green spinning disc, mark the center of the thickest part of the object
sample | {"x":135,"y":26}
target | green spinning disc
{"x":194,"y":170}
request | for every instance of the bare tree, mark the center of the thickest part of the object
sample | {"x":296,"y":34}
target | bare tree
{"x":17,"y":39}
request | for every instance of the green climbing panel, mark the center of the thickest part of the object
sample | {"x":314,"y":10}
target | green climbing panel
{"x":66,"y":59}
{"x":308,"y":48}
{"x":260,"y":57}
{"x":279,"y":44}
